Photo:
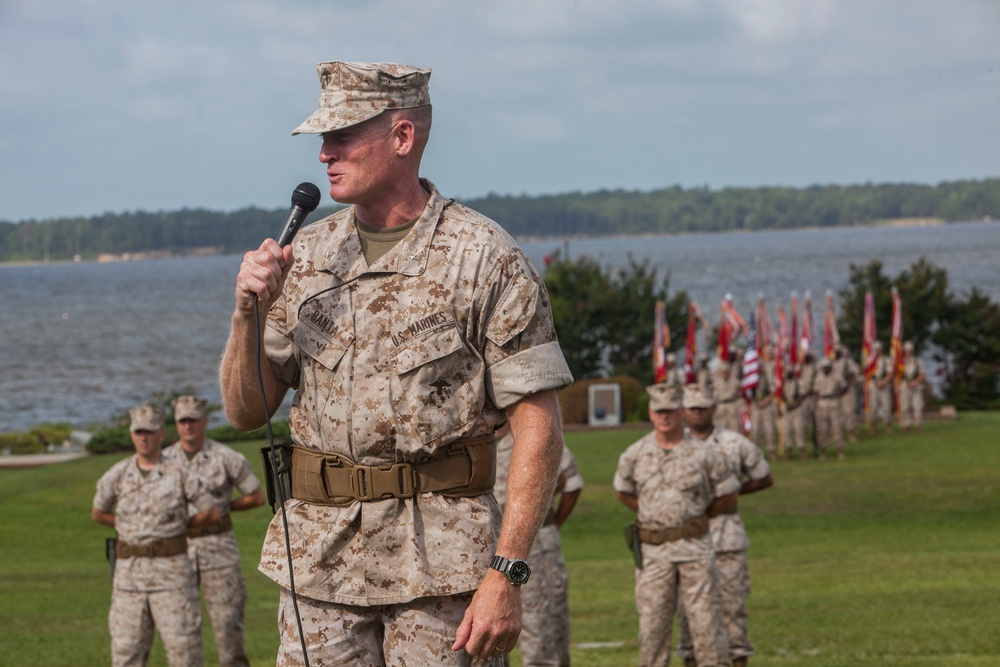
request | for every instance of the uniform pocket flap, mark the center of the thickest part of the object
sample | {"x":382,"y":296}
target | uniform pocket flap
{"x":325,"y":348}
{"x":425,"y":348}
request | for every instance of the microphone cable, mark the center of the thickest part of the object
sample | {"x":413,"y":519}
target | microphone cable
{"x":305,"y":199}
{"x":276,"y":482}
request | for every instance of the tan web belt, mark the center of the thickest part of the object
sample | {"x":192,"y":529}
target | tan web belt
{"x":728,"y":506}
{"x":221,"y":526}
{"x":168,"y":546}
{"x":465,"y":468}
{"x":693,"y":528}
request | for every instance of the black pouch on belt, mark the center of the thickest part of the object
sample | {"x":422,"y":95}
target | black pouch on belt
{"x":282,"y":451}
{"x":634,"y":543}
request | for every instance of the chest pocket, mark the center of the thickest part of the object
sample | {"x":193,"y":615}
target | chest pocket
{"x":437,"y":386}
{"x":321,"y":336}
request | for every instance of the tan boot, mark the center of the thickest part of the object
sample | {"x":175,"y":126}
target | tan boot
{"x":690,"y":662}
{"x":740,"y":662}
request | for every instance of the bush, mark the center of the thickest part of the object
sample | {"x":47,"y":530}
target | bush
{"x":21,"y":443}
{"x":110,"y":439}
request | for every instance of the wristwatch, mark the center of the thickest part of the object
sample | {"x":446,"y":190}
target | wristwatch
{"x":517,"y":571}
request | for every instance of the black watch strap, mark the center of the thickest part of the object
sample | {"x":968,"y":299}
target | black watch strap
{"x":516,"y":571}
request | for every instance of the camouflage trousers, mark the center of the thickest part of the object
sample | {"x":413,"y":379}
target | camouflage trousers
{"x":418,"y":633}
{"x":911,"y":406}
{"x":175,"y":613}
{"x":660,"y":586}
{"x":880,"y":406}
{"x":734,"y":588}
{"x":849,"y":412}
{"x":225,"y":594}
{"x":765,"y":427}
{"x":828,"y":424}
{"x":544,"y":640}
{"x":795,"y":429}
{"x":727,"y":415}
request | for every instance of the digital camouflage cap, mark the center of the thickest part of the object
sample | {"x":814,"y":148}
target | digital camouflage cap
{"x":145,"y":418}
{"x":351,"y":93}
{"x":665,"y":396}
{"x":696,"y":396}
{"x":189,"y":407}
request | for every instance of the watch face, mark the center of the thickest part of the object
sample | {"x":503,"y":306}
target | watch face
{"x":518,"y":572}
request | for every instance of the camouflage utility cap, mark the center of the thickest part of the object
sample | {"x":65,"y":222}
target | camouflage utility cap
{"x":189,"y":407}
{"x":665,"y":396}
{"x":354,"y":92}
{"x":146,"y":418}
{"x":695,"y":396}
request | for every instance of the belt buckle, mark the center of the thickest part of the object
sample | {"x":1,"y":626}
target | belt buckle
{"x":366,"y":481}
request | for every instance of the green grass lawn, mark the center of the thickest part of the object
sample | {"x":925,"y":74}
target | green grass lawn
{"x":889,"y":558}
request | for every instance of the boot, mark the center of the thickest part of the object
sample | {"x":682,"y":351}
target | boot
{"x":740,"y":662}
{"x":690,"y":662}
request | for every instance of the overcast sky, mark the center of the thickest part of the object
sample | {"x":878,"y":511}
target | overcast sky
{"x":112,"y":105}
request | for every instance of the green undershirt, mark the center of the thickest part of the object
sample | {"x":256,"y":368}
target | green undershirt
{"x":376,"y":241}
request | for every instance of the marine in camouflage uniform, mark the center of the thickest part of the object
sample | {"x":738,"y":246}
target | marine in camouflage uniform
{"x":704,"y":376}
{"x":911,"y":389}
{"x":673,"y":482}
{"x":807,"y":378}
{"x":212,"y":549}
{"x":727,"y":388}
{"x":880,"y":391}
{"x":795,"y":423}
{"x":404,"y":354}
{"x":145,"y":499}
{"x":675,"y":373}
{"x":829,"y":389}
{"x":729,"y":537}
{"x":849,"y":370}
{"x":764,"y":411}
{"x":544,"y":638}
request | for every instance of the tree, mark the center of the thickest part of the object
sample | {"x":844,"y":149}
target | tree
{"x":604,"y":319}
{"x":960,"y":333}
{"x":969,"y":347}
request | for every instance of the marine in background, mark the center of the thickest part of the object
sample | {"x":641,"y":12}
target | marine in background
{"x":911,"y":390}
{"x":727,"y":387}
{"x":673,"y":483}
{"x":212,"y":548}
{"x":880,"y":391}
{"x":729,"y":536}
{"x":146,"y":499}
{"x":829,"y":388}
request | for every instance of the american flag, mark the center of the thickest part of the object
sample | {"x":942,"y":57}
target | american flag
{"x":751,"y":366}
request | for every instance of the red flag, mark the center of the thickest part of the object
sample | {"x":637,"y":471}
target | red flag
{"x":869,"y":358}
{"x":724,"y":334}
{"x":764,"y":335}
{"x":896,"y":344}
{"x":691,"y":345}
{"x":807,"y":323}
{"x":661,"y":341}
{"x":730,"y":323}
{"x":793,"y":349}
{"x":781,"y":348}
{"x":831,"y":337}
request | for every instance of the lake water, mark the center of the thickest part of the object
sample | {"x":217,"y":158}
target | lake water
{"x":82,"y":342}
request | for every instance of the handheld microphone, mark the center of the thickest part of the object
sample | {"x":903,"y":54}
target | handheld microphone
{"x":305,"y":199}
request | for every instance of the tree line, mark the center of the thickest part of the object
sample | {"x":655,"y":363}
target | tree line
{"x":606,"y":212}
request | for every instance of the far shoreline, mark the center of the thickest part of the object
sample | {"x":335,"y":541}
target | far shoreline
{"x":107,"y":258}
